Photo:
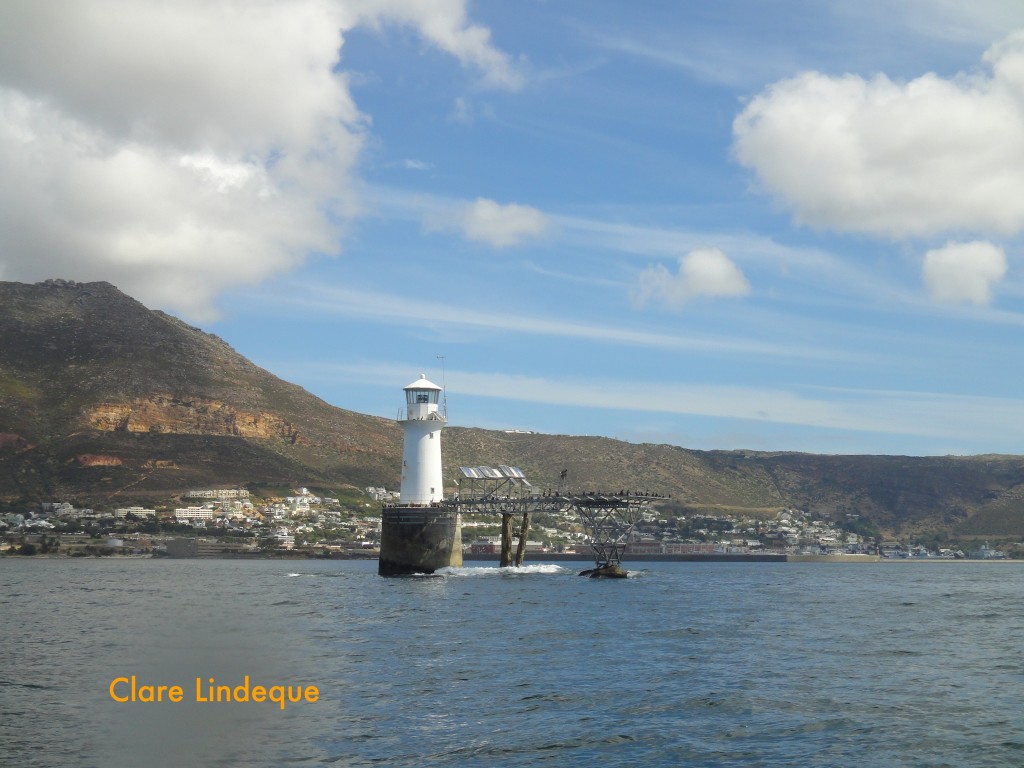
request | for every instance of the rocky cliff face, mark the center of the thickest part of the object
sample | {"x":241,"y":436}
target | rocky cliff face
{"x":169,"y":414}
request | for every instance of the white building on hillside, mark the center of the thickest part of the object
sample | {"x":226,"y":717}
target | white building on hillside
{"x":137,"y":511}
{"x":194,"y":513}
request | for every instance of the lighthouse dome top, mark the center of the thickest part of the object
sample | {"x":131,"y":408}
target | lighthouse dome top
{"x":422,"y":383}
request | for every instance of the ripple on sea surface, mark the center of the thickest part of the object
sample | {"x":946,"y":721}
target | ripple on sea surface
{"x":702,"y":664}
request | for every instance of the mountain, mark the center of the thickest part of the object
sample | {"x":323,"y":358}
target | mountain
{"x":978,"y":495}
{"x":104,"y":399}
{"x":100,"y":396}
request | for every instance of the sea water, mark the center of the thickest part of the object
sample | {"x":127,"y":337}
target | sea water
{"x":697,"y":664}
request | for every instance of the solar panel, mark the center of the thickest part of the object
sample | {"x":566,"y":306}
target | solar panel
{"x":490,"y":473}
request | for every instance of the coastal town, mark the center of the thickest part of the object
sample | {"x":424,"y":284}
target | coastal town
{"x":235,"y":522}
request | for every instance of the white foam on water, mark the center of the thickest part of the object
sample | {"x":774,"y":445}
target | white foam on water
{"x":542,"y":569}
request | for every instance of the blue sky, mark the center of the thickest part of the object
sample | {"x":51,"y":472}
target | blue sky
{"x":773,"y":226}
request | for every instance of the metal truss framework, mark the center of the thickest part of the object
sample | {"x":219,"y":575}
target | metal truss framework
{"x":608,"y":518}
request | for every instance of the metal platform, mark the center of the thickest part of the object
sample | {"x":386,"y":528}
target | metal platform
{"x":608,"y":519}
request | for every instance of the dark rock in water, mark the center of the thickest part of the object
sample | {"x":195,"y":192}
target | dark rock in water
{"x":608,"y":571}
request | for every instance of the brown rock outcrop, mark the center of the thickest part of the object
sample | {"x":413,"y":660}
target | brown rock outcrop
{"x":168,"y":414}
{"x":97,"y":460}
{"x":9,"y":440}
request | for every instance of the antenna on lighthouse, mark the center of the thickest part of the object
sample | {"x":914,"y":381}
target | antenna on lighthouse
{"x":444,"y":387}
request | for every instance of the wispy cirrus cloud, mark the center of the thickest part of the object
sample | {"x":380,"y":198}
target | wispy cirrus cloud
{"x":704,"y":60}
{"x":944,"y":417}
{"x":415,"y":312}
{"x":945,"y":21}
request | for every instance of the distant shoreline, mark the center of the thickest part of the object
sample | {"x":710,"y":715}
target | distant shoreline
{"x":552,"y":557}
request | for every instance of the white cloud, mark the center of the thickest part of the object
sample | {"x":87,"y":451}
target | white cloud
{"x":444,"y":23}
{"x":702,"y":272}
{"x":919,"y":158}
{"x":178,"y":149}
{"x":488,"y":222}
{"x":963,"y":272}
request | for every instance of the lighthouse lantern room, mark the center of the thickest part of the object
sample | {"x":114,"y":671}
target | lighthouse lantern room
{"x":421,"y":424}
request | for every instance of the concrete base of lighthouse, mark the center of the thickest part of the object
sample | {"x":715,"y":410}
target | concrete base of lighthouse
{"x":419,"y":540}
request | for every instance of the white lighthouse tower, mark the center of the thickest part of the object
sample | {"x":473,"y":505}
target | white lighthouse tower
{"x":422,"y":423}
{"x":421,"y":533}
